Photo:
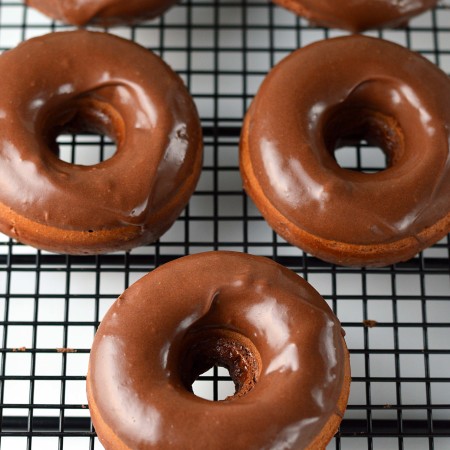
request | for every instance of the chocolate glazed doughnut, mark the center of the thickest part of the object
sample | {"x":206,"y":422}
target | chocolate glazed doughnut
{"x":84,"y":81}
{"x":282,"y":344}
{"x":101,"y":12}
{"x":318,"y":98}
{"x":358,"y":15}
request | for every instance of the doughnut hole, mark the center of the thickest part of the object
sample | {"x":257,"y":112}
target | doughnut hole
{"x":363,"y":139}
{"x":215,"y":384}
{"x":205,"y":349}
{"x":85,"y":132}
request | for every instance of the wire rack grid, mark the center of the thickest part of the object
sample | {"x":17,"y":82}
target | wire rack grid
{"x":397,"y":318}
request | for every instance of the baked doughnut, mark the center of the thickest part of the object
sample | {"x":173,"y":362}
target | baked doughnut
{"x":318,"y":98}
{"x":85,"y":81}
{"x":282,"y":344}
{"x":358,"y":15}
{"x":101,"y":12}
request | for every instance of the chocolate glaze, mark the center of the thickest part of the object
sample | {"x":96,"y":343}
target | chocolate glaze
{"x":342,"y":88}
{"x":89,"y":81}
{"x":101,"y":12}
{"x":358,"y":15}
{"x":282,"y":343}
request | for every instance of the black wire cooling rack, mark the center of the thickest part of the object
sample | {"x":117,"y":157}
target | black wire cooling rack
{"x":397,"y":318}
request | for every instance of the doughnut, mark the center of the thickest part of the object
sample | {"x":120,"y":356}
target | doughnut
{"x":333,"y":92}
{"x":83,"y":81}
{"x":281,"y":343}
{"x":101,"y":12}
{"x":358,"y":15}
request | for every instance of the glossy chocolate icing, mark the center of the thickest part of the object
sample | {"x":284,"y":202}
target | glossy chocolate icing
{"x":358,"y":15}
{"x":338,"y":89}
{"x":232,"y":309}
{"x":95,"y":81}
{"x":101,"y":12}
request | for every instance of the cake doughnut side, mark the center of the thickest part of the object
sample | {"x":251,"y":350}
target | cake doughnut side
{"x":282,"y":344}
{"x":101,"y":12}
{"x":358,"y":15}
{"x":104,"y":84}
{"x":315,"y":100}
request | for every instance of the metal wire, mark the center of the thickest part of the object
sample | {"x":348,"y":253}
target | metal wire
{"x":397,"y":318}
